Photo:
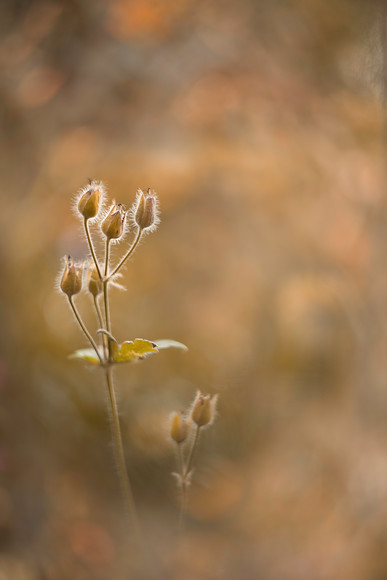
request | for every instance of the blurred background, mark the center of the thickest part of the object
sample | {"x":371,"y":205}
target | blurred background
{"x":260,"y":125}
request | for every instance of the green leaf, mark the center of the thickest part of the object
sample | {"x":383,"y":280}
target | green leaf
{"x":87,"y":354}
{"x":167,"y":343}
{"x":133,"y":350}
{"x":128,"y":351}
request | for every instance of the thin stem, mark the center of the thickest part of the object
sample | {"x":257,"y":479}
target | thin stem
{"x":183,"y":503}
{"x":119,"y":448}
{"x":105,"y":292}
{"x":100,"y":321}
{"x":192,"y":452}
{"x":185,"y":470}
{"x":181,"y":458}
{"x":98,"y":311}
{"x":84,"y":329}
{"x":91,"y":246}
{"x":128,"y":253}
{"x":107,"y":247}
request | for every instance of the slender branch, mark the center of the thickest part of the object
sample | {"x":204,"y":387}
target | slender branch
{"x":128,"y":253}
{"x":91,"y":246}
{"x":107,"y":248}
{"x":84,"y":329}
{"x":100,"y":322}
{"x":105,"y":292}
{"x":192,"y":452}
{"x":124,"y":475}
{"x":181,"y":457}
{"x":185,"y":470}
{"x":98,"y":311}
{"x":183,"y":503}
{"x":106,"y":333}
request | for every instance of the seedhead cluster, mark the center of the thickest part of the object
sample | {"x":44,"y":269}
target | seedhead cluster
{"x":95,"y":275}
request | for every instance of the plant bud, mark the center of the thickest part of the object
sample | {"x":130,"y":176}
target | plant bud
{"x":71,"y":282}
{"x":89,"y":202}
{"x":113,"y":224}
{"x":146,"y":210}
{"x":179,"y":427}
{"x":95,"y":285}
{"x":203,"y":409}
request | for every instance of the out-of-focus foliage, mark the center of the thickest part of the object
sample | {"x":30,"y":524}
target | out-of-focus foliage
{"x":259,"y":123}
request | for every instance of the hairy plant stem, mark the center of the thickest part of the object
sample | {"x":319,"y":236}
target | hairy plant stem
{"x":185,"y":472}
{"x":105,"y":295}
{"x":84,"y":329}
{"x":98,"y":311}
{"x":91,"y":246}
{"x":183,"y":503}
{"x":192,"y":452}
{"x":128,"y":253}
{"x":119,"y":448}
{"x":101,"y":324}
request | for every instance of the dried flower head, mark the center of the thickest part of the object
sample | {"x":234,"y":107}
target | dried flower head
{"x":90,"y":199}
{"x":95,"y":285}
{"x":180,"y":426}
{"x":71,"y":282}
{"x":204,"y":409}
{"x":113,"y":224}
{"x":145,"y":210}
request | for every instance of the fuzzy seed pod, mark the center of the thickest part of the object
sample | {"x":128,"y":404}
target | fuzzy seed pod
{"x":89,"y":202}
{"x":113,"y":224}
{"x":146,"y":210}
{"x":203,"y":409}
{"x":180,"y":426}
{"x":71,"y":282}
{"x":95,"y":285}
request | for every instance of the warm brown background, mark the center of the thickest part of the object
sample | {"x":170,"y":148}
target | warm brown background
{"x":259,"y":123}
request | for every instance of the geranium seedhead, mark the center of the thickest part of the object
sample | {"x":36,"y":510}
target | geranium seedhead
{"x":90,"y":199}
{"x":71,"y":282}
{"x":95,"y":285}
{"x":204,"y":409}
{"x":113,"y":224}
{"x":145,"y":210}
{"x":180,"y":427}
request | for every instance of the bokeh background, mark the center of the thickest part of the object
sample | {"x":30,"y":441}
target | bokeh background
{"x":260,"y":124}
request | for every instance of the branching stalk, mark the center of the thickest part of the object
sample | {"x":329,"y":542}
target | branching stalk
{"x":84,"y":329}
{"x":145,"y":215}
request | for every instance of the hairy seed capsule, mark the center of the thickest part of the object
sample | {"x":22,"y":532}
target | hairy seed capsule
{"x":145,"y":214}
{"x":95,"y":285}
{"x":179,"y":427}
{"x":113,"y":224}
{"x":89,"y":201}
{"x":203,"y":410}
{"x":71,"y":282}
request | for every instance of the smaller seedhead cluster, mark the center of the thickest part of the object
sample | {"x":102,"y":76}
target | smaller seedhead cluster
{"x":185,"y":431}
